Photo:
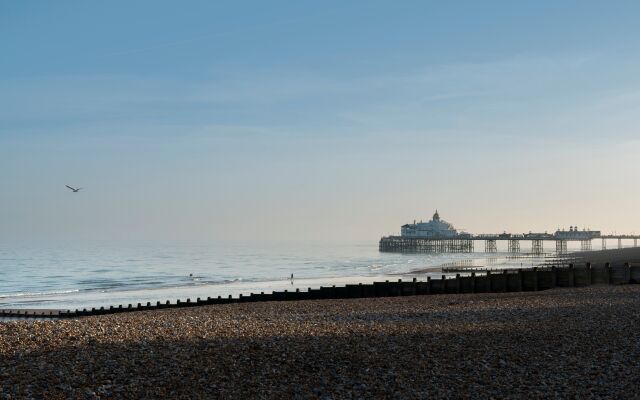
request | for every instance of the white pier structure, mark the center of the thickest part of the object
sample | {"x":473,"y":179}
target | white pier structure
{"x":437,"y":235}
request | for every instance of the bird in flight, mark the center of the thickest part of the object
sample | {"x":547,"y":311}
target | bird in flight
{"x":74,"y":189}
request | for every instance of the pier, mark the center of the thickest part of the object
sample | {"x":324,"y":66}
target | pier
{"x":439,"y":236}
{"x":465,"y":243}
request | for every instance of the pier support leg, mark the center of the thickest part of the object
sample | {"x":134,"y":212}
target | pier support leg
{"x":585,"y":245}
{"x":422,"y":245}
{"x":561,"y":246}
{"x":604,"y":244}
{"x":619,"y":243}
{"x":537,"y":247}
{"x":490,"y":246}
{"x":514,"y":246}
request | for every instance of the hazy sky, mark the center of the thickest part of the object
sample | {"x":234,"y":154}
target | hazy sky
{"x":316,"y":120}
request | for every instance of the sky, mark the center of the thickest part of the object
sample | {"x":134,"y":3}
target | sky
{"x":301,"y":120}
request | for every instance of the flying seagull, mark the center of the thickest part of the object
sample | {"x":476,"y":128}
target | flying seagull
{"x":74,"y":190}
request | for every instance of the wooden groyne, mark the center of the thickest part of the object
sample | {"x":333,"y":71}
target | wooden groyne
{"x":520,"y":280}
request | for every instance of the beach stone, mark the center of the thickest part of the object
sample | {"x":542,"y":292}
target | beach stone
{"x":563,"y":343}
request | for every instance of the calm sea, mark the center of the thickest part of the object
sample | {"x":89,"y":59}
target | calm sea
{"x":57,"y":276}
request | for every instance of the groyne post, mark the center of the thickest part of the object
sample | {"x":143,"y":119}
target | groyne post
{"x":473,"y":282}
{"x":504,"y":283}
{"x":572,"y":276}
{"x":627,"y":273}
{"x":520,"y":280}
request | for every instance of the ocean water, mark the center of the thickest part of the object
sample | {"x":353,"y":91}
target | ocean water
{"x":78,"y":276}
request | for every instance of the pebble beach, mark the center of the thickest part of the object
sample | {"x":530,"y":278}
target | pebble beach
{"x":560,"y":343}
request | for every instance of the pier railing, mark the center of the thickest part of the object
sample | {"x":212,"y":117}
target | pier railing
{"x":520,"y":280}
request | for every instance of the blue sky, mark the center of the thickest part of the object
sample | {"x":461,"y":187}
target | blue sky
{"x":308,"y":120}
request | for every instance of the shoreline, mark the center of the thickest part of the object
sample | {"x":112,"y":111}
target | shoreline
{"x":518,"y":280}
{"x":104,"y":298}
{"x":561,"y":341}
{"x":72,"y":299}
{"x":162,"y":272}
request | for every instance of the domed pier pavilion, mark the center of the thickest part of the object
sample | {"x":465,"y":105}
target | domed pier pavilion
{"x":434,"y":236}
{"x":439,"y":236}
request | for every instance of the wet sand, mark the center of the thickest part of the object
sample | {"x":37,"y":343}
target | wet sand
{"x":572,"y":343}
{"x":613,"y":256}
{"x":420,"y":271}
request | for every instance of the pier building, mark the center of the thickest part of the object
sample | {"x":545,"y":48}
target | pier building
{"x":435,"y":228}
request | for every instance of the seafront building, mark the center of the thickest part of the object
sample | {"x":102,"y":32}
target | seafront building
{"x":436,"y":228}
{"x":573,"y":233}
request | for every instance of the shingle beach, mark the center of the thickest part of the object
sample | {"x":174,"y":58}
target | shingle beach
{"x":560,"y":343}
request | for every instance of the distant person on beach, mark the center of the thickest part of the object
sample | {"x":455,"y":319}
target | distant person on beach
{"x":292,"y":279}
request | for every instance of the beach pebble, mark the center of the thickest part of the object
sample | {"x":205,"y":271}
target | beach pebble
{"x":563,"y":343}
